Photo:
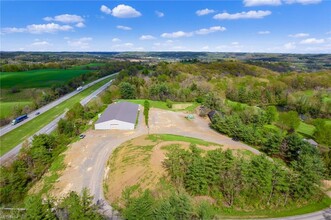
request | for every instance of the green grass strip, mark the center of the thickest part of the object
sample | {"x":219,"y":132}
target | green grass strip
{"x":270,"y":213}
{"x":18,"y":135}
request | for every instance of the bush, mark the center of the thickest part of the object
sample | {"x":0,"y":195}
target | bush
{"x":169,"y":103}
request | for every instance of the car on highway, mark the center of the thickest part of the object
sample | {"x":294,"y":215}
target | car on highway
{"x":82,"y":136}
{"x":37,"y":113}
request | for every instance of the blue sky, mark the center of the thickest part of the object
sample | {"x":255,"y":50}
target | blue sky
{"x":286,"y":26}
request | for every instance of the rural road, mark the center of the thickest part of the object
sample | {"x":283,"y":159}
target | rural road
{"x":32,"y":115}
{"x":87,"y":158}
{"x":51,"y":126}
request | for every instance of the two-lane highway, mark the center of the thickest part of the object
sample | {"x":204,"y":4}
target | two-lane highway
{"x":52,"y":125}
{"x":32,"y":115}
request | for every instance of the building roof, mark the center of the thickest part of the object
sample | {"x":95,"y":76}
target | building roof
{"x":122,"y":111}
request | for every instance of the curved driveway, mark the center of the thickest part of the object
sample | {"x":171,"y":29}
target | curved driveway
{"x":87,"y":159}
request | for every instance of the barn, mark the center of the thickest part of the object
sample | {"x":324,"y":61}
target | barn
{"x":120,"y":116}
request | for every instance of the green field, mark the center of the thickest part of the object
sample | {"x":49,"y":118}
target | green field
{"x":17,"y":136}
{"x":306,"y":129}
{"x":7,"y":107}
{"x":38,"y":78}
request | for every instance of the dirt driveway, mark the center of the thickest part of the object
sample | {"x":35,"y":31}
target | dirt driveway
{"x":167,"y":122}
{"x":86,"y":159}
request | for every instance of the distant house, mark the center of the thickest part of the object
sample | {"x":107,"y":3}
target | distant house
{"x":312,"y":142}
{"x":120,"y":116}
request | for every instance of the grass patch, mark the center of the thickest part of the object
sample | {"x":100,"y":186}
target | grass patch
{"x":48,"y":181}
{"x":42,"y":78}
{"x":18,"y":135}
{"x":290,"y":211}
{"x":306,"y":129}
{"x":86,"y":66}
{"x":6,"y":108}
{"x":172,"y":137}
{"x":162,"y":105}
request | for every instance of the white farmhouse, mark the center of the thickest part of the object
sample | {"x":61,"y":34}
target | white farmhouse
{"x":120,"y":116}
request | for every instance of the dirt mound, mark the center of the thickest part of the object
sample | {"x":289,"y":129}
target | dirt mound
{"x":139,"y":161}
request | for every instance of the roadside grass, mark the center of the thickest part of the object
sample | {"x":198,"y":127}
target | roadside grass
{"x":18,"y":135}
{"x":38,"y":78}
{"x":24,"y":95}
{"x":162,"y":105}
{"x":7,"y":107}
{"x":290,"y":211}
{"x":172,"y":137}
{"x":306,"y":129}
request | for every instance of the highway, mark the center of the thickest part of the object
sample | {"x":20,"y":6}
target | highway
{"x":32,"y":115}
{"x":51,"y":126}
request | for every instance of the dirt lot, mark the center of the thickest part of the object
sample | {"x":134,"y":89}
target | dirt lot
{"x":139,"y":161}
{"x":87,"y":158}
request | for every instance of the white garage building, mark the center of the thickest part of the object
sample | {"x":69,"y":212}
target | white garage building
{"x":120,"y":116}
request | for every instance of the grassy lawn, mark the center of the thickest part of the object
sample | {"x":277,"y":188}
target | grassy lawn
{"x":172,"y":137}
{"x":15,"y":137}
{"x":38,"y":78}
{"x":291,"y":211}
{"x":7,"y":107}
{"x":163,"y":105}
{"x":306,"y":129}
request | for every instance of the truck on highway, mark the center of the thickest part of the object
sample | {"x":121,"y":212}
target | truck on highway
{"x":19,"y":119}
{"x":79,"y":88}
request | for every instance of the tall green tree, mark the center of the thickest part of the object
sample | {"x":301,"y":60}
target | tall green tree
{"x":127,"y":90}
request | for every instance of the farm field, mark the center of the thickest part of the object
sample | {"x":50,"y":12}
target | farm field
{"x":13,"y":138}
{"x":7,"y":107}
{"x":38,"y":78}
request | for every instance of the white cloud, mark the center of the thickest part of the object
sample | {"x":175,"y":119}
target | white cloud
{"x":299,"y":35}
{"x":147,"y":37}
{"x":242,"y":15}
{"x":264,"y":32}
{"x":81,"y":43}
{"x":210,"y":30}
{"x":159,"y":14}
{"x":47,"y":28}
{"x":105,"y":9}
{"x":125,"y":11}
{"x":205,"y":47}
{"x":80,"y":25}
{"x":204,"y":11}
{"x":249,"y":3}
{"x":66,"y":18}
{"x":116,"y":40}
{"x":12,"y":30}
{"x":235,"y":43}
{"x":41,"y":43}
{"x":177,"y":34}
{"x":312,"y":41}
{"x":329,"y":32}
{"x":125,"y":28}
{"x":303,"y":2}
{"x":290,"y":46}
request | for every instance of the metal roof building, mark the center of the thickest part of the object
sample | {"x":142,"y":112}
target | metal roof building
{"x":120,"y":116}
